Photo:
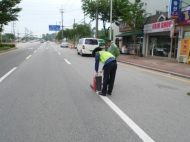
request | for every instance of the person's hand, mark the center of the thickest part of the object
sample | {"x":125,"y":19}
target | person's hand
{"x":96,"y":74}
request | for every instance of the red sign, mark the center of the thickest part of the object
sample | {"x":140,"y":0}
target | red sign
{"x":158,"y":27}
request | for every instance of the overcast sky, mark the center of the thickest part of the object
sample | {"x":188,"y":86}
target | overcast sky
{"x":37,"y":15}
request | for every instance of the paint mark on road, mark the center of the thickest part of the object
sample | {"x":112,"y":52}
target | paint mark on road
{"x":7,"y":74}
{"x":28,"y":57}
{"x":67,"y":61}
{"x":127,"y":120}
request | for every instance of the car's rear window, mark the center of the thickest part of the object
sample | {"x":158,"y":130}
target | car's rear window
{"x":91,"y":41}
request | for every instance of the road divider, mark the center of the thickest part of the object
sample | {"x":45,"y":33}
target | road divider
{"x":7,"y":74}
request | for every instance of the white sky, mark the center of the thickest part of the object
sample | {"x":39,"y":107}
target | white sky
{"x":37,"y":15}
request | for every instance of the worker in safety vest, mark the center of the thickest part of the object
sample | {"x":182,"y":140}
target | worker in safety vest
{"x":109,"y":69}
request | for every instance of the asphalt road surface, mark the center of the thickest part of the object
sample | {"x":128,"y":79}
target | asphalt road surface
{"x":45,"y":96}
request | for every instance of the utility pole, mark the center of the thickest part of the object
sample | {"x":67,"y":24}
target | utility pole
{"x":61,"y":10}
{"x":97,"y":20}
{"x":13,"y":30}
{"x":74,"y":35}
{"x":18,"y":36}
{"x":84,"y":19}
{"x":110,"y":19}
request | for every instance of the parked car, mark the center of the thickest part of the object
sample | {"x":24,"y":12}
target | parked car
{"x":86,"y":45}
{"x":64,"y":44}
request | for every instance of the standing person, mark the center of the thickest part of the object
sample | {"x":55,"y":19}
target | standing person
{"x":109,"y":68}
{"x":111,"y":47}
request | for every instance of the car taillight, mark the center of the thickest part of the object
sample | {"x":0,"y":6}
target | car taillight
{"x":83,"y":47}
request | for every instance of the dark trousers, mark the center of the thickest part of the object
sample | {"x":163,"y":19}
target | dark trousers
{"x":109,"y":77}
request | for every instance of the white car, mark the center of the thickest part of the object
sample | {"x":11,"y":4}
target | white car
{"x":64,"y":44}
{"x":87,"y":45}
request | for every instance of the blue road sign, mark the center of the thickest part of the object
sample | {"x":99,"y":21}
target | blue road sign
{"x":54,"y":28}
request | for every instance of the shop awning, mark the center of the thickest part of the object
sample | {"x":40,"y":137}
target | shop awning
{"x":130,"y":33}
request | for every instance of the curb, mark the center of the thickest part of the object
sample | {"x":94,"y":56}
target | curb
{"x":4,"y":51}
{"x":155,"y":69}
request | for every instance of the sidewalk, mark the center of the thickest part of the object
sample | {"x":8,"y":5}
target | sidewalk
{"x":162,"y":64}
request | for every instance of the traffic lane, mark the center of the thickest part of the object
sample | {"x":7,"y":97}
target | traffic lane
{"x":13,"y":59}
{"x":152,"y":100}
{"x":47,"y":100}
{"x":27,"y":44}
{"x":158,"y":104}
{"x":84,"y":66}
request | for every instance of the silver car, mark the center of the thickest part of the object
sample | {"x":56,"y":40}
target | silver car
{"x":64,"y":44}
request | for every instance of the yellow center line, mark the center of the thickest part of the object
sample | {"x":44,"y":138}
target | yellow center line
{"x":157,"y":73}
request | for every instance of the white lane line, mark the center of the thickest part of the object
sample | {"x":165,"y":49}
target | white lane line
{"x":7,"y":74}
{"x":128,"y":121}
{"x":56,"y":50}
{"x":67,"y":61}
{"x":28,"y":57}
{"x":59,"y":53}
{"x":35,"y":51}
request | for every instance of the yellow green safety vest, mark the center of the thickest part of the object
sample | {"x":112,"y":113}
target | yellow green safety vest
{"x":104,"y":55}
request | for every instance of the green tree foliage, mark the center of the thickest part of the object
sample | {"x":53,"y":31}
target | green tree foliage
{"x":78,"y":31}
{"x":133,"y":16}
{"x":89,"y":7}
{"x":83,"y":30}
{"x":8,"y":11}
{"x":49,"y":37}
{"x":8,"y":37}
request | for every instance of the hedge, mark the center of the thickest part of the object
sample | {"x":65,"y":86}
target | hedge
{"x":9,"y":45}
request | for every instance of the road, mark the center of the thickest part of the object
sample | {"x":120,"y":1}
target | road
{"x":45,"y":96}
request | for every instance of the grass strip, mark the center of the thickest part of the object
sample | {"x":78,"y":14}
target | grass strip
{"x":5,"y":48}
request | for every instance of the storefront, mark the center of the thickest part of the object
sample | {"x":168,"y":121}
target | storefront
{"x":129,"y":43}
{"x":185,"y":42}
{"x":157,"y":40}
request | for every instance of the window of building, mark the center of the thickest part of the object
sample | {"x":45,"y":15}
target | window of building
{"x":159,"y":12}
{"x":161,"y":19}
{"x":187,"y":34}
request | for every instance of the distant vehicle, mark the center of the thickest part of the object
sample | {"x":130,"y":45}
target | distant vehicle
{"x":86,"y":45}
{"x":41,"y":41}
{"x":23,"y":41}
{"x":64,"y":44}
{"x":31,"y":41}
{"x":100,"y":40}
{"x":48,"y":41}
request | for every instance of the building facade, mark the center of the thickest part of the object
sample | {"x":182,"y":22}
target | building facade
{"x":151,"y":8}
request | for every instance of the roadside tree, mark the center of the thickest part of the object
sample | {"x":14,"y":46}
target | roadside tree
{"x":8,"y":11}
{"x":134,"y":16}
{"x":89,"y":7}
{"x":8,"y":37}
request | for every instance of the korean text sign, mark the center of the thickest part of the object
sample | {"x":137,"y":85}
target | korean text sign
{"x":185,"y":46}
{"x":185,"y":15}
{"x":175,"y":4}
